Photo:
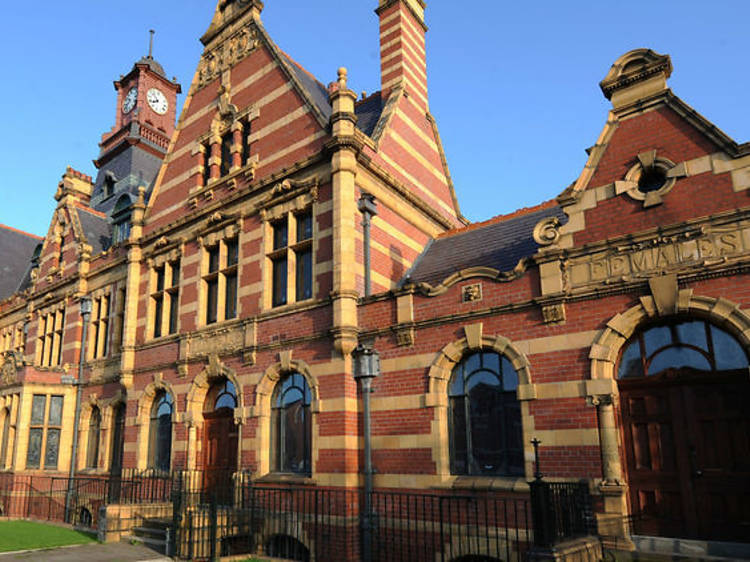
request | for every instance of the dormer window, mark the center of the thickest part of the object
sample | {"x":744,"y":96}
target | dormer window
{"x":121,"y":220}
{"x":109,"y":184}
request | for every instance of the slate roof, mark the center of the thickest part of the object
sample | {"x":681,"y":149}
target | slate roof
{"x":498,"y":243}
{"x":16,"y":249}
{"x":96,"y":229}
{"x":368,"y":110}
{"x":368,"y":113}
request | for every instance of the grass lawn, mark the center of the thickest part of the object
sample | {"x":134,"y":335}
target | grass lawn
{"x":26,"y":535}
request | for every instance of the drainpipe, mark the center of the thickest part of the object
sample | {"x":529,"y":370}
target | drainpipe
{"x":369,"y":209}
{"x":85,"y":308}
{"x":366,"y":368}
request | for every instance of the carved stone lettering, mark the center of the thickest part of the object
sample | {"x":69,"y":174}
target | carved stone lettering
{"x":659,"y":255}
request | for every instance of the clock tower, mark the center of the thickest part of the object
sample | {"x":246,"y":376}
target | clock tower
{"x":131,"y":152}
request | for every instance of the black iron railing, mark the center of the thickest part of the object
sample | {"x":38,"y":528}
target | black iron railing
{"x":560,"y":511}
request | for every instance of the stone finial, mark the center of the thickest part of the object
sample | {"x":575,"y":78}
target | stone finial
{"x":636,"y":75}
{"x":343,"y":75}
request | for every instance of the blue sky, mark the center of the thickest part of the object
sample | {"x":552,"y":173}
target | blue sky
{"x":513,"y":85}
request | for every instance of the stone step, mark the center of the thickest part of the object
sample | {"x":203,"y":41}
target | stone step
{"x":158,"y":545}
{"x":687,"y":549}
{"x":151,"y":532}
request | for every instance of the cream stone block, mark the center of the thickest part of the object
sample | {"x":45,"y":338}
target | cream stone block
{"x":699,"y":165}
{"x":724,"y":163}
{"x":600,"y":387}
{"x":527,"y":392}
{"x":568,"y":437}
{"x":576,"y":223}
{"x":741,"y":179}
{"x":551,"y":277}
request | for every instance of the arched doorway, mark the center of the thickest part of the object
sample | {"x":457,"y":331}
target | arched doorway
{"x":118,"y":448}
{"x":219,"y":438}
{"x":684,"y":394}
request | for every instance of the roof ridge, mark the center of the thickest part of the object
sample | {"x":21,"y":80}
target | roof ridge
{"x":298,"y":65}
{"x":19,"y":231}
{"x":499,"y":218}
{"x":91,"y":211}
{"x":368,"y":98}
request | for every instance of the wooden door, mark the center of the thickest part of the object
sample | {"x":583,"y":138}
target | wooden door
{"x":219,"y":451}
{"x":687,"y":454}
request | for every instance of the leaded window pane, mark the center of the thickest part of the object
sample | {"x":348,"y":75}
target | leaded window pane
{"x":656,"y":338}
{"x":34,"y":454}
{"x":292,"y":433}
{"x":304,"y":274}
{"x":55,"y":410}
{"x":692,"y":333}
{"x":728,"y":352}
{"x":230,"y":302}
{"x":485,"y":417}
{"x":678,"y":357}
{"x":38,"y":404}
{"x":227,"y":397}
{"x":93,"y":444}
{"x":681,"y":344}
{"x":279,"y":281}
{"x":631,"y":363}
{"x":52,"y":450}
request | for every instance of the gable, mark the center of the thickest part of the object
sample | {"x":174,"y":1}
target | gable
{"x":284,"y":107}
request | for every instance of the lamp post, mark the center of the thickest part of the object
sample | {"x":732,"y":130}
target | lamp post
{"x":85,"y":310}
{"x":366,"y":368}
{"x":369,"y":209}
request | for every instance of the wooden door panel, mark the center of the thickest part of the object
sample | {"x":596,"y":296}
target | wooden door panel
{"x":720,"y":471}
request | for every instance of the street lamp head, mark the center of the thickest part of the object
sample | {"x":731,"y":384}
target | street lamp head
{"x":366,"y":362}
{"x":366,"y":204}
{"x":85,"y":306}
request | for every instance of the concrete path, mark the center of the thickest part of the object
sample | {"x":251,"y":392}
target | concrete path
{"x":112,"y":552}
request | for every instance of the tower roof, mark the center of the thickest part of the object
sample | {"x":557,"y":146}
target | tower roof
{"x":153,"y":64}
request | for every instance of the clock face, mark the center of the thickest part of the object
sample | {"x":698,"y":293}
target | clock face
{"x":129,"y":102}
{"x":157,"y":100}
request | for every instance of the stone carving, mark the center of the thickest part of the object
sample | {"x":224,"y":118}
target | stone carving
{"x":472,"y":293}
{"x":547,"y":231}
{"x":553,"y":313}
{"x":225,"y":55}
{"x":9,"y":370}
{"x":223,"y":343}
{"x":405,"y":336}
{"x":663,"y":254}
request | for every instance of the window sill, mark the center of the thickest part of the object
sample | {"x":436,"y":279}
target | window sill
{"x":286,"y":478}
{"x":507,"y":483}
{"x":296,"y":306}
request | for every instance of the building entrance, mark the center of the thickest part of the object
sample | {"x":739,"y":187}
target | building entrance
{"x":220,"y":439}
{"x":684,"y":391}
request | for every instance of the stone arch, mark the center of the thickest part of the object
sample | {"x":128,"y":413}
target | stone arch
{"x":87,"y":407}
{"x":196,"y":397}
{"x":602,"y":389}
{"x":201,"y":385}
{"x":439,"y":376}
{"x":720,"y":311}
{"x":108,"y":410}
{"x":262,"y":408}
{"x":145,"y":399}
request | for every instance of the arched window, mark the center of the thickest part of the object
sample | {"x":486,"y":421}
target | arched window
{"x":95,"y":426}
{"x":225,"y":396}
{"x":485,"y":417}
{"x":160,"y":432}
{"x":118,"y":439}
{"x":291,"y":425}
{"x":688,"y":344}
{"x":5,"y":437}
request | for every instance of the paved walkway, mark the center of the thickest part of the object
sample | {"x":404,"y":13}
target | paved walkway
{"x":112,"y":552}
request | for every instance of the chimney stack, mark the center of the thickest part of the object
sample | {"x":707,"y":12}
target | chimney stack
{"x":403,"y":60}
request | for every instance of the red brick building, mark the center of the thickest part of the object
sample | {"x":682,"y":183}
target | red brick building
{"x":230,"y":289}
